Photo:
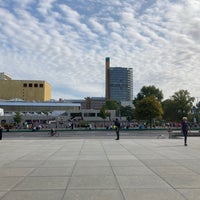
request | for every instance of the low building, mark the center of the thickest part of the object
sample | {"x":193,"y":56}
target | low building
{"x":23,"y":106}
{"x":27,"y":90}
{"x":88,"y":102}
{"x":94,"y":102}
{"x":57,"y":113}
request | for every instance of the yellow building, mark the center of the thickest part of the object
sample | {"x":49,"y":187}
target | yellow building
{"x":27,"y":90}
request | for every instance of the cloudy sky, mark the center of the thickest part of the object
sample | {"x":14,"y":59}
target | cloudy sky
{"x":65,"y":42}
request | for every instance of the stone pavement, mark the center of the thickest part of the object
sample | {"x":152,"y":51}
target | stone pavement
{"x":99,"y":169}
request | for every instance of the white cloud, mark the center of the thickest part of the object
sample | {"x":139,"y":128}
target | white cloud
{"x":97,"y":26}
{"x":66,"y":44}
{"x":44,"y":6}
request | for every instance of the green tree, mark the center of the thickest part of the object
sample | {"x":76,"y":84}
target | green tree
{"x":169,"y":106}
{"x":103,"y":113}
{"x":127,"y":111}
{"x":183,"y":103}
{"x":112,"y":105}
{"x":148,"y":108}
{"x":17,"y":118}
{"x":147,"y":91}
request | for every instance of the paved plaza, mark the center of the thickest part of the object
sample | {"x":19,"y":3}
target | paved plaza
{"x":99,"y":169}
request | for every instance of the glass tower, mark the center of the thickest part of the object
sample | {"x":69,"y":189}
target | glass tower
{"x":121,"y":83}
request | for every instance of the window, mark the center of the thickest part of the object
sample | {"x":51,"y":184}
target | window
{"x":89,"y":114}
{"x":35,"y":85}
{"x":41,"y":85}
{"x":30,"y":85}
{"x":25,"y":85}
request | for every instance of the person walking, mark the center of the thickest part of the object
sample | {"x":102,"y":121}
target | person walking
{"x":117,"y":127}
{"x":185,"y":127}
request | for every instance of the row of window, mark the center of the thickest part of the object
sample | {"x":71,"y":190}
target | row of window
{"x":36,"y":85}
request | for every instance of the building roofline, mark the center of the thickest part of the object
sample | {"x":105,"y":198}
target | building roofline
{"x":44,"y":104}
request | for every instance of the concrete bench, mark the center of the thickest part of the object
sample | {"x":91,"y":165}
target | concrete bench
{"x":178,"y":133}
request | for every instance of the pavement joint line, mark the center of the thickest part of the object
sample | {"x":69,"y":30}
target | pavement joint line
{"x":162,"y":157}
{"x":175,"y":189}
{"x":70,"y":177}
{"x":120,"y":189}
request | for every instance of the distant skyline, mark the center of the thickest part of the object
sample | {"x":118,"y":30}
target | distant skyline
{"x":65,"y":42}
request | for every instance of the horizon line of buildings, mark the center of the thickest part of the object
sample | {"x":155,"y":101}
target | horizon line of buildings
{"x":119,"y":87}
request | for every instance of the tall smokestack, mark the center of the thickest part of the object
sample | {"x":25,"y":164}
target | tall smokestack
{"x":107,"y":70}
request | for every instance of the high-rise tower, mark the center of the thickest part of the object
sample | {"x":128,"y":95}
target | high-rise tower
{"x":107,"y":70}
{"x":119,"y":83}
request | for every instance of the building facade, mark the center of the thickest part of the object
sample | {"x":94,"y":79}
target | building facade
{"x":20,"y":106}
{"x":88,"y":102}
{"x":27,"y":90}
{"x":56,"y":113}
{"x":119,"y":83}
{"x":94,"y":103}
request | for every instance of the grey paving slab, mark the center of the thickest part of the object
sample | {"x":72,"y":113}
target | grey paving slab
{"x":42,"y":183}
{"x":2,"y":194}
{"x":183,"y":181}
{"x":14,"y":172}
{"x":153,"y":194}
{"x":98,"y":169}
{"x":34,"y":194}
{"x":92,"y":157}
{"x":165,"y":171}
{"x":92,"y":171}
{"x":93,"y":182}
{"x":159,"y":162}
{"x":93,"y":195}
{"x":52,"y":171}
{"x":23,"y":163}
{"x":7,"y":183}
{"x":58,"y":163}
{"x":92,"y":152}
{"x":63,"y":157}
{"x":190,"y":194}
{"x":126,"y":163}
{"x":133,"y":170}
{"x":121,"y":157}
{"x":92,"y":163}
{"x":141,"y":181}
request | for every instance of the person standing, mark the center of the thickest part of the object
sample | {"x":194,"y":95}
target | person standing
{"x":1,"y":132}
{"x":185,"y":127}
{"x":117,"y":127}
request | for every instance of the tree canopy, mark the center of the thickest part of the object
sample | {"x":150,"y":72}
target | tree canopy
{"x":148,"y":91}
{"x":148,"y":108}
{"x":183,"y":103}
{"x":112,"y":105}
{"x":17,"y":118}
{"x":127,"y":111}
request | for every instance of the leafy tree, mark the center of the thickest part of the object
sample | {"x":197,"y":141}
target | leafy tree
{"x":103,"y":113}
{"x":183,"y":103}
{"x":147,"y":91}
{"x":127,"y":111}
{"x":169,"y":107}
{"x":17,"y":118}
{"x":112,"y":105}
{"x":148,"y":108}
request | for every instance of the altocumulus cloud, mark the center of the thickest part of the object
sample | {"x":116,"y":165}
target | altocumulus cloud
{"x":66,"y":42}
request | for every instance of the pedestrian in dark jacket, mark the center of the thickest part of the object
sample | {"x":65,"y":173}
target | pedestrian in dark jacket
{"x":117,"y":127}
{"x":185,"y":127}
